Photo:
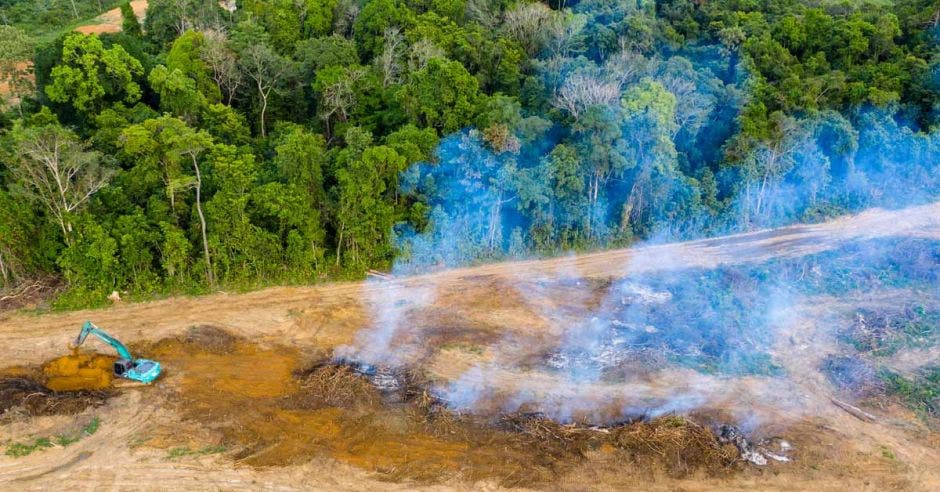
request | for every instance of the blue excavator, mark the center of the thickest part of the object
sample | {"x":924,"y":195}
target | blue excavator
{"x":142,"y":370}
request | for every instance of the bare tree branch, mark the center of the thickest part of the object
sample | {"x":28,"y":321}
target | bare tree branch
{"x":55,"y":169}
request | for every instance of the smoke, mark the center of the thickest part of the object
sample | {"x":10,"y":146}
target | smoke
{"x":675,"y":327}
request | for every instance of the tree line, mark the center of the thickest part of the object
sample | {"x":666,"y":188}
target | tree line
{"x":256,"y":142}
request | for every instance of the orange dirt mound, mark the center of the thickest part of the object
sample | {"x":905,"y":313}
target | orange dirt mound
{"x":79,"y":372}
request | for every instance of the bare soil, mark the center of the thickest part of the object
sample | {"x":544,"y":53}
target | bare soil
{"x":110,"y":21}
{"x":248,"y":402}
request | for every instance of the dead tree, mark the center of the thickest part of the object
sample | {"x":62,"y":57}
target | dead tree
{"x":223,"y":62}
{"x":389,"y":62}
{"x":580,"y":92}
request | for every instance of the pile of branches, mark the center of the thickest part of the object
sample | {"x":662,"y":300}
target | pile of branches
{"x":28,"y":293}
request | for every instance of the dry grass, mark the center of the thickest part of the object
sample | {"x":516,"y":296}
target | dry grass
{"x":679,"y":445}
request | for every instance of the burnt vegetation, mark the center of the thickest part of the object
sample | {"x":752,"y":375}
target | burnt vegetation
{"x":721,"y":320}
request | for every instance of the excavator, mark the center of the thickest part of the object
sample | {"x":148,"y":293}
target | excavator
{"x":141,"y":370}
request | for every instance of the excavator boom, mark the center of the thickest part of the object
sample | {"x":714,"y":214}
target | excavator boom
{"x":89,"y":328}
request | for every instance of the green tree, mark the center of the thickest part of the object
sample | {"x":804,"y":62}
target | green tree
{"x":364,"y":217}
{"x":241,"y":248}
{"x":20,"y":248}
{"x":178,"y":93}
{"x":317,"y":53}
{"x":173,"y":146}
{"x":336,"y":89}
{"x":91,"y":76}
{"x":267,"y":70}
{"x":186,"y":55}
{"x":130,"y":25}
{"x":90,"y":263}
{"x":442,"y":95}
{"x":373,"y":20}
{"x":168,"y":19}
{"x":317,"y":17}
{"x":650,"y":123}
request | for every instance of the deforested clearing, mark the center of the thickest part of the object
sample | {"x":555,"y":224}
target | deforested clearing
{"x":258,"y":390}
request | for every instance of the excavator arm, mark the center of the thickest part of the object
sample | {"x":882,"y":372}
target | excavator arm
{"x":89,"y":328}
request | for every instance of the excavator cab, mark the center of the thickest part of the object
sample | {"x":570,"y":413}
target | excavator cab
{"x":143,"y":370}
{"x":127,"y":367}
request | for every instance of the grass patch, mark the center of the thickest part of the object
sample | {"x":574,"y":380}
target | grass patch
{"x":18,"y":450}
{"x":921,"y":394}
{"x":887,"y":453}
{"x":469,"y":348}
{"x":184,"y":451}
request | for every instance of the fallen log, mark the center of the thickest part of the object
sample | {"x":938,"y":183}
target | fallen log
{"x":381,"y":275}
{"x":855,"y":411}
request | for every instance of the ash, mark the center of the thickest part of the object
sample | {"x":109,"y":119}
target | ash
{"x":611,"y":343}
{"x":758,"y":452}
{"x":385,"y":379}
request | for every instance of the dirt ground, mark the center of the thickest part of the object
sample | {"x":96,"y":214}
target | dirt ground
{"x":248,"y":399}
{"x":111,"y":20}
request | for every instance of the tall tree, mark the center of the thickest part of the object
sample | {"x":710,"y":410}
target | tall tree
{"x":336,"y":88}
{"x":175,"y":145}
{"x":265,"y":68}
{"x":442,"y":95}
{"x":223,"y":62}
{"x":92,"y":76}
{"x":130,"y":25}
{"x":57,"y":170}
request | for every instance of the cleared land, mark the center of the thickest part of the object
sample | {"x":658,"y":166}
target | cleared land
{"x":250,"y":397}
{"x":111,"y":20}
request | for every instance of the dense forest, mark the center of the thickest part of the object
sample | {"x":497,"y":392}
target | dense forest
{"x":246,"y":143}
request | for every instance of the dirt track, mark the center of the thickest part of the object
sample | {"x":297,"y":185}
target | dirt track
{"x":842,"y":451}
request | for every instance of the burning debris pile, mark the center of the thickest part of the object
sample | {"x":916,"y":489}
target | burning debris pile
{"x":643,"y":347}
{"x":394,"y":385}
{"x":758,"y":452}
{"x":692,"y":442}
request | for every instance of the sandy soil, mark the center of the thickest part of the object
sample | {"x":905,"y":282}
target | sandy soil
{"x":111,"y":20}
{"x":479,"y":313}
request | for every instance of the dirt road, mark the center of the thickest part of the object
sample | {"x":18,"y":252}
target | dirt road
{"x":492,"y":307}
